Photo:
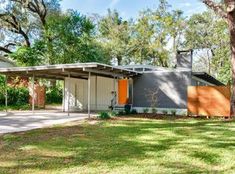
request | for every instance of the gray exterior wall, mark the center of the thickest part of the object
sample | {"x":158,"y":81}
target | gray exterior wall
{"x":171,"y":87}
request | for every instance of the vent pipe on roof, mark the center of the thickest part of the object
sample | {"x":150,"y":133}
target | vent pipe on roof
{"x":184,"y":59}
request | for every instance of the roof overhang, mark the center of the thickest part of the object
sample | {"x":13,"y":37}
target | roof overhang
{"x":79,"y":70}
{"x":208,"y":78}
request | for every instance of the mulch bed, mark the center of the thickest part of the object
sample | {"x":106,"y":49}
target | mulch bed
{"x":169,"y":117}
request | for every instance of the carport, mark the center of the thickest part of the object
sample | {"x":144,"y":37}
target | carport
{"x":60,"y":72}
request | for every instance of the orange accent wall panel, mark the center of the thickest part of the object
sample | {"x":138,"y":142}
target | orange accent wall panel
{"x":209,"y":100}
{"x":122,"y":92}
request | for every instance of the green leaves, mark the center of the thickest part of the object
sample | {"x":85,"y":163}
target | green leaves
{"x":114,"y":35}
{"x":30,"y":56}
{"x":208,"y":32}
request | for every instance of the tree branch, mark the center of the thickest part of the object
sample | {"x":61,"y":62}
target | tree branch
{"x":11,"y":20}
{"x":10,"y":44}
{"x":36,"y":6}
{"x":6,"y":50}
{"x":216,"y":7}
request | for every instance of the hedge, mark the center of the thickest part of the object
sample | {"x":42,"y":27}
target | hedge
{"x":54,"y":95}
{"x":15,"y":96}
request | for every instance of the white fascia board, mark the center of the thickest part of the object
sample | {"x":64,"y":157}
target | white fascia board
{"x":52,"y":67}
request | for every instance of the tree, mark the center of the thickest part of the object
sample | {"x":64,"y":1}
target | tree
{"x":20,"y":20}
{"x":152,"y":32}
{"x":37,"y":32}
{"x":72,"y":39}
{"x":21,"y":23}
{"x":203,"y":34}
{"x":114,"y":34}
{"x":226,"y":9}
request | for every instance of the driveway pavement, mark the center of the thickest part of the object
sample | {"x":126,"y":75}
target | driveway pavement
{"x":23,"y":121}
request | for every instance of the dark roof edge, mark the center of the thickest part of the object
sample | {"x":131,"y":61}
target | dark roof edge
{"x":206,"y":77}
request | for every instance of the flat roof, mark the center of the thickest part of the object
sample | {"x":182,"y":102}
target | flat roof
{"x":61,"y":71}
{"x":207,"y":77}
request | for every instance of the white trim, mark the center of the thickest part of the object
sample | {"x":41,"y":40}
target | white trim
{"x":68,"y":94}
{"x":161,"y":110}
{"x":64,"y":95}
{"x":33,"y":97}
{"x":89,"y":96}
{"x":63,"y":67}
{"x":6,"y":95}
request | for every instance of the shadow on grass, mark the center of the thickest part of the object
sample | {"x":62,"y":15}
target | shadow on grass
{"x":113,"y":143}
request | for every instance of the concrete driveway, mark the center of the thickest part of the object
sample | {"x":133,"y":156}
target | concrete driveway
{"x":23,"y":121}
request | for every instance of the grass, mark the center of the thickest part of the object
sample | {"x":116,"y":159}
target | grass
{"x":126,"y":145}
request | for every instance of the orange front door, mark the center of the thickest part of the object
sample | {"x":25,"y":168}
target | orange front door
{"x":122,"y":92}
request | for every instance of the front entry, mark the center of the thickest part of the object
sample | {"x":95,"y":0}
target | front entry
{"x":123,"y":92}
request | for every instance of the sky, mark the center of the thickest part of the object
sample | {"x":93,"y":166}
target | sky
{"x":129,"y":8}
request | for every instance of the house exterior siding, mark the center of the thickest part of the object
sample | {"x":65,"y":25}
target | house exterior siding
{"x":101,"y":93}
{"x":171,"y":87}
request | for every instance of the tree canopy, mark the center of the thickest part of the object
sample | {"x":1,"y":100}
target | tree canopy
{"x":37,"y":32}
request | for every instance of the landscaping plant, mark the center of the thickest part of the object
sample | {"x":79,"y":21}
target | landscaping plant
{"x":104,"y":116}
{"x":127,"y":109}
{"x":146,"y":110}
{"x":173,"y":112}
{"x":134,"y":111}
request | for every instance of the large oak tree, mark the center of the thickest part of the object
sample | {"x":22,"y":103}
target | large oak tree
{"x":226,"y":9}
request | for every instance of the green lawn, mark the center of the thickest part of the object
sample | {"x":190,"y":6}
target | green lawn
{"x":123,"y":146}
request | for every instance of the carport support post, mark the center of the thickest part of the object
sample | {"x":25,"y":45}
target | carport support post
{"x":115,"y":93}
{"x":6,"y":101}
{"x":89,"y":95}
{"x":63,"y":106}
{"x":68,"y":93}
{"x":33,"y":97}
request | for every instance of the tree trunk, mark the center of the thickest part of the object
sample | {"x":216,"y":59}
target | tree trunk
{"x":231,"y":23}
{"x":119,"y":60}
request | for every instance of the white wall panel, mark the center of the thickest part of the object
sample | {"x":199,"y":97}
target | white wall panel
{"x":101,"y":93}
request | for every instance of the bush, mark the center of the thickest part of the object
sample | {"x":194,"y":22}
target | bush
{"x":54,"y":95}
{"x":173,"y":112}
{"x":154,"y":110}
{"x":121,"y":113}
{"x":134,"y":111}
{"x":15,"y":96}
{"x":146,"y":110}
{"x":165,"y":112}
{"x":127,"y":109}
{"x":104,"y":116}
{"x":113,"y":113}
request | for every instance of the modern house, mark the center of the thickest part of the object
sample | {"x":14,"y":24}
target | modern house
{"x":95,"y":87}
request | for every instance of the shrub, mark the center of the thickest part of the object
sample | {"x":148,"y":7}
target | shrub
{"x":165,"y":112}
{"x":154,"y":110}
{"x":146,"y":110}
{"x":15,"y":96}
{"x":134,"y":111}
{"x":173,"y":112}
{"x":121,"y":113}
{"x":54,"y":95}
{"x":104,"y":116}
{"x":113,"y":113}
{"x":127,"y":109}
